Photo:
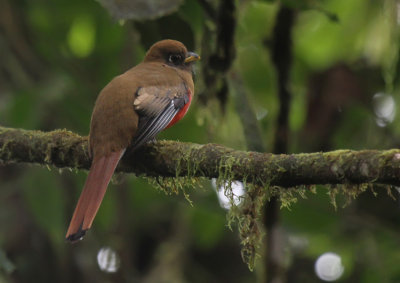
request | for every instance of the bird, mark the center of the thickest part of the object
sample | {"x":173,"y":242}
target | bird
{"x":129,"y":112}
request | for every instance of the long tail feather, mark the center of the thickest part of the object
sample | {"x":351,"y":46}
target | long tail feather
{"x":92,"y":195}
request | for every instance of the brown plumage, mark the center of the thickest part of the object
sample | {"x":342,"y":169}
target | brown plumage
{"x":131,"y":110}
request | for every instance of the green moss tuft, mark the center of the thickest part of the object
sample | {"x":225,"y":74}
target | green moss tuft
{"x":174,"y":185}
{"x":349,"y":192}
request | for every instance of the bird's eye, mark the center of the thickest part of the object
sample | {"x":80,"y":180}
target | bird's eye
{"x":175,"y":59}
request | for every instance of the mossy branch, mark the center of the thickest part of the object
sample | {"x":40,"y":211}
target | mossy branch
{"x":64,"y":149}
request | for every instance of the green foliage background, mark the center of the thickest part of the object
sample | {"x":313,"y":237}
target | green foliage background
{"x":55,"y":56}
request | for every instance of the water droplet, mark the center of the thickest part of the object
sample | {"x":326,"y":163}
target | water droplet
{"x":108,"y":260}
{"x":328,"y":267}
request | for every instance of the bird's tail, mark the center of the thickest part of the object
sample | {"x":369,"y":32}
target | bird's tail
{"x":92,"y":194}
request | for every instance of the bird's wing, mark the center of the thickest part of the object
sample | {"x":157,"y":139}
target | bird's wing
{"x":157,"y":106}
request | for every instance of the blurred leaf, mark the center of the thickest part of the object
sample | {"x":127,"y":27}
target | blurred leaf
{"x":81,"y":36}
{"x":191,"y":12}
{"x":140,"y":9}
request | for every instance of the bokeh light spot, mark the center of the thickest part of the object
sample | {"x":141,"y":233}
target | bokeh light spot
{"x":384,"y":108}
{"x":328,"y":267}
{"x":108,"y":260}
{"x":223,"y":193}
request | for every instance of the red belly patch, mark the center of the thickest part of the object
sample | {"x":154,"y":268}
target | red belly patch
{"x":181,"y":112}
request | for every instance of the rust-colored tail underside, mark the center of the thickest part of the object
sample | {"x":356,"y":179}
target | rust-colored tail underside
{"x":92,"y":194}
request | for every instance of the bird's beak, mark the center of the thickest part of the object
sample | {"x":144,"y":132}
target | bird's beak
{"x":192,"y":57}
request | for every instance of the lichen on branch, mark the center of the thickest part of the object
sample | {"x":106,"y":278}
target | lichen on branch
{"x":64,"y":149}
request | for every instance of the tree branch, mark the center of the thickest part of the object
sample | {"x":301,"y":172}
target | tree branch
{"x":64,"y":149}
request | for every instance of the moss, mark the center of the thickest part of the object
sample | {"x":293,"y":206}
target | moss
{"x":349,"y":192}
{"x":174,"y":185}
{"x":248,"y":215}
{"x":184,"y":179}
{"x":250,"y":226}
{"x":389,"y":192}
{"x":289,"y":196}
{"x":4,"y":153}
{"x":187,"y":164}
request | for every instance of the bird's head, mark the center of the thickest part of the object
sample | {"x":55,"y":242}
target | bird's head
{"x":172,"y":53}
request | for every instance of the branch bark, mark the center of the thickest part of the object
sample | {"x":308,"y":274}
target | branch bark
{"x":64,"y":149}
